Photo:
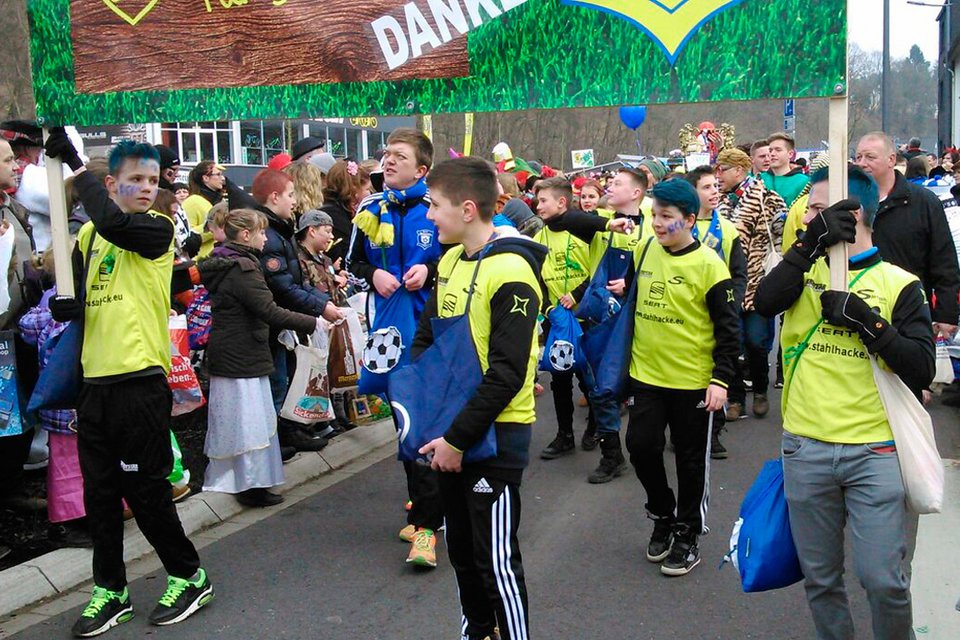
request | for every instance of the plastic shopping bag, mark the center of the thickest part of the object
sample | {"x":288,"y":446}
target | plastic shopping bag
{"x":11,"y":423}
{"x":199,"y":319}
{"x":345,"y":352}
{"x":187,"y":394}
{"x":944,"y":374}
{"x":920,"y":463}
{"x":761,"y":545}
{"x":308,"y":398}
{"x":562,"y":350}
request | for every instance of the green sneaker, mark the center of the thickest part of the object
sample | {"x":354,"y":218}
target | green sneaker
{"x":106,"y":610}
{"x":182,"y":599}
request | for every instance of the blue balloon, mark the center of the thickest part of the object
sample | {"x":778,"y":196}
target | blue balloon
{"x":633,"y":117}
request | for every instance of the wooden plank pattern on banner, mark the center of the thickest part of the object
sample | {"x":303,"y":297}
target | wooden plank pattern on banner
{"x":135,"y":45}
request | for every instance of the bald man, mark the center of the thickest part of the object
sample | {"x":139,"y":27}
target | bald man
{"x":911,"y":231}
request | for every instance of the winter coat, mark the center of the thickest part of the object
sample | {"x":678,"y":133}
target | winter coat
{"x":911,"y":231}
{"x":243,"y":313}
{"x":281,"y":268}
{"x":342,"y":227}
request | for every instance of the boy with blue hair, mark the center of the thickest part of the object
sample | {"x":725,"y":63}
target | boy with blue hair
{"x":124,"y":406}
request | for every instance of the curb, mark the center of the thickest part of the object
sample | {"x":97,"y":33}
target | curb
{"x":59,"y":571}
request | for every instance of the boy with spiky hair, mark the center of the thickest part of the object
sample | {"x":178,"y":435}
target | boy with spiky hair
{"x":481,"y":500}
{"x":124,"y":406}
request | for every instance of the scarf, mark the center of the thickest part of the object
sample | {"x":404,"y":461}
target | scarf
{"x":714,"y":237}
{"x":377,"y":219}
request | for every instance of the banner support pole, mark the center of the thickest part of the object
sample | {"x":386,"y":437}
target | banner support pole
{"x":59,"y":229}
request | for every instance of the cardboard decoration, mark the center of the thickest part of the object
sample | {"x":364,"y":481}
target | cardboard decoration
{"x":109,"y":61}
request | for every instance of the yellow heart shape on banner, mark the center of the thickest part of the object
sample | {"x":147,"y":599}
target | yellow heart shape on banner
{"x":670,"y":23}
{"x":114,"y":5}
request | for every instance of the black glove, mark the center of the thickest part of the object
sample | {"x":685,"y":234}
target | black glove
{"x":58,"y":145}
{"x":847,"y":309}
{"x":65,"y":308}
{"x":831,"y":226}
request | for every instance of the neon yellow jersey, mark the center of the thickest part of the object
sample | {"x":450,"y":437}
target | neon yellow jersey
{"x":830,"y":394}
{"x":673,"y":336}
{"x":566,"y":264}
{"x":197,"y":207}
{"x":453,"y":281}
{"x":127,"y":308}
{"x":628,"y":241}
{"x":794,"y":224}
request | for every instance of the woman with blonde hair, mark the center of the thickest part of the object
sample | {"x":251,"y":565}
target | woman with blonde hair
{"x":307,"y":185}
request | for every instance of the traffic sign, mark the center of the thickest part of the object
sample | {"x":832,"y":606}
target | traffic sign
{"x":790,"y":123}
{"x":788,"y":108}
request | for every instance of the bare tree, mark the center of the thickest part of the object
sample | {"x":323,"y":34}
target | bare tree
{"x":16,"y":91}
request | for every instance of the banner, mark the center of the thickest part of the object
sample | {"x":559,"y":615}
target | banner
{"x":99,"y":62}
{"x":582,"y":158}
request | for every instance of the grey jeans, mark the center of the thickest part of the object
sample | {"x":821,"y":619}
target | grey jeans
{"x":828,"y":485}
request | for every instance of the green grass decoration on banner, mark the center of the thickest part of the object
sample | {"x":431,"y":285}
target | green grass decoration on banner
{"x":541,"y":55}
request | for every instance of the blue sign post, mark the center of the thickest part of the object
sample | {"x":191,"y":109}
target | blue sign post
{"x":789,"y":119}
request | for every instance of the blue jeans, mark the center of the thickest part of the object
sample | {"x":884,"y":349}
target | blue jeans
{"x":278,"y":379}
{"x":757,"y":333}
{"x":828,"y":486}
{"x":605,"y":408}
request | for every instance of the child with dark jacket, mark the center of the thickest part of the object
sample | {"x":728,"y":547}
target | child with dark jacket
{"x":242,"y":439}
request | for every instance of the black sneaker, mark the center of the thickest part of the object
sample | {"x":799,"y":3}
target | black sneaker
{"x":717,"y":450}
{"x":684,"y":554}
{"x":287,"y":453}
{"x":301,"y":441}
{"x":608,"y":469}
{"x":661,"y":540}
{"x":72,"y":534}
{"x":589,"y":441}
{"x":106,"y":610}
{"x":562,"y":445}
{"x":182,"y":599}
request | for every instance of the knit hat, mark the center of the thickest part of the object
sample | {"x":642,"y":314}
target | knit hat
{"x":734,"y":158}
{"x":679,"y":193}
{"x":168,"y":159}
{"x":314,"y":218}
{"x":657,"y":168}
{"x":280,"y":162}
{"x":305,"y":146}
{"x":324,"y":162}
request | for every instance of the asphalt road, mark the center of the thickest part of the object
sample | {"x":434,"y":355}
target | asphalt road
{"x":331,"y":567}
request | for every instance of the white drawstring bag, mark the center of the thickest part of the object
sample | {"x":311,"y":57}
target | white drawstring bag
{"x":920,"y":463}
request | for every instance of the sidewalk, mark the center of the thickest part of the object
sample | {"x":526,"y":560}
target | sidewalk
{"x":60,"y":571}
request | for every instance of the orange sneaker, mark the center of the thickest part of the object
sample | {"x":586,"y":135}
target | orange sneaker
{"x":407,"y":533}
{"x":423,"y":551}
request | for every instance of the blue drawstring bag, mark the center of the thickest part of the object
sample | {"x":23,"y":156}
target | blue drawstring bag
{"x":562,"y":350}
{"x":60,"y":381}
{"x":388,"y":344}
{"x":607,"y":346}
{"x":597,"y":303}
{"x":761,"y":545}
{"x":427,"y":395}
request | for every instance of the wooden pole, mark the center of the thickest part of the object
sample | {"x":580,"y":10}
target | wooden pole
{"x":838,"y":184}
{"x":59,"y":228}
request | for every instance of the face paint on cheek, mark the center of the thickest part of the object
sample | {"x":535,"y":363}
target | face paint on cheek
{"x":675,"y":226}
{"x":128,"y":190}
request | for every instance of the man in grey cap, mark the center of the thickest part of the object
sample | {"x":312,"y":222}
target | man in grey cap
{"x":323,"y":161}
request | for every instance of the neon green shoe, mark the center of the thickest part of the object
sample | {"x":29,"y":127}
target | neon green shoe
{"x":106,"y":610}
{"x":182,"y":599}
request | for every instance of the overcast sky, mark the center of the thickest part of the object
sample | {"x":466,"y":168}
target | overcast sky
{"x":910,"y":24}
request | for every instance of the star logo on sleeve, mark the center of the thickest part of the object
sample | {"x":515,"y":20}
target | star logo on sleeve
{"x":730,"y":297}
{"x":520,"y":305}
